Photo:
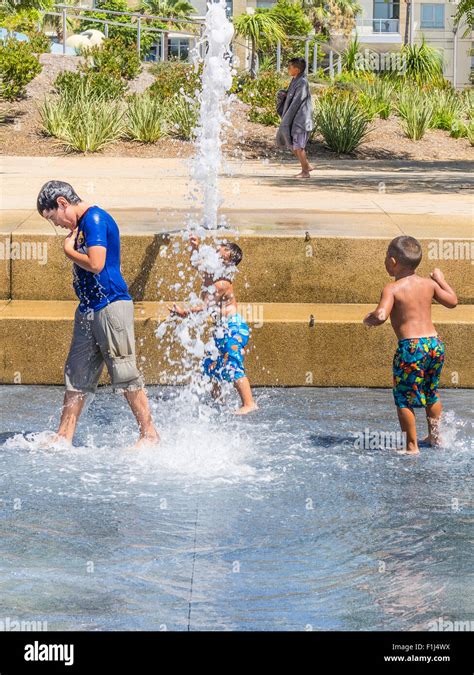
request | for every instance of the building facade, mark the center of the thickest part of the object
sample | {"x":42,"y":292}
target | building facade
{"x":386,"y":25}
{"x":383,"y":26}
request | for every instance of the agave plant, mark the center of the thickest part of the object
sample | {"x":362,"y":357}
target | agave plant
{"x":54,"y":116}
{"x":182,"y":118}
{"x":416,"y":112}
{"x":378,"y":95}
{"x":470,"y":132}
{"x":93,"y":126}
{"x":145,"y":118}
{"x":88,"y":126}
{"x":447,"y":109}
{"x":342,"y":121}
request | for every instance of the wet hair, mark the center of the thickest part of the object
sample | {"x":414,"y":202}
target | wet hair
{"x":235,"y":251}
{"x":49,"y":193}
{"x":406,"y":251}
{"x":298,"y":63}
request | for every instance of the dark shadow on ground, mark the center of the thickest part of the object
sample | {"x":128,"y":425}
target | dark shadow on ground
{"x":375,"y":183}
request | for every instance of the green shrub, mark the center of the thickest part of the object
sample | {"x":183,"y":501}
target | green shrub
{"x":447,"y":109}
{"x":261,"y":92}
{"x":94,"y":125}
{"x":145,"y":118}
{"x":267,"y":116}
{"x":182,"y":117}
{"x":416,"y":112}
{"x":470,"y":132}
{"x":87,"y":126}
{"x":39,"y":42}
{"x":173,"y":78}
{"x":422,"y":63}
{"x":127,"y":34}
{"x":377,"y":96}
{"x":21,"y":21}
{"x":18,"y":66}
{"x":458,"y":129}
{"x":320,"y":76}
{"x":341,"y":120}
{"x":54,"y":114}
{"x":113,"y":58}
{"x":90,"y":85}
{"x":467,"y":100}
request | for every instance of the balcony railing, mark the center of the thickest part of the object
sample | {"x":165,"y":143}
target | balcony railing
{"x":367,"y":26}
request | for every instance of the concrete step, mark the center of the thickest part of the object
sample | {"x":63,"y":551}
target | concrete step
{"x":297,"y":267}
{"x":297,"y":344}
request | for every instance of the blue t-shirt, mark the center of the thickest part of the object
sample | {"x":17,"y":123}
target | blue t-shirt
{"x":97,"y":228}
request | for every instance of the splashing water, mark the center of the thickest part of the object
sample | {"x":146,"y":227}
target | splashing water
{"x":191,"y":334}
{"x":213,"y":116}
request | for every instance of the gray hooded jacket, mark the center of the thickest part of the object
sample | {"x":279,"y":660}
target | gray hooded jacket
{"x":295,"y":110}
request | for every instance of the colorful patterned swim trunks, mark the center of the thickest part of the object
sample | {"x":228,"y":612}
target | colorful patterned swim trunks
{"x":230,"y":337}
{"x":417,"y":365}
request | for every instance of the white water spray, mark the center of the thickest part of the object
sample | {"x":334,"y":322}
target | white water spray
{"x":216,"y":82}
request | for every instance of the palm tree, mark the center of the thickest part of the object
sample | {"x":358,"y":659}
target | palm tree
{"x":56,"y":22}
{"x":465,"y":14}
{"x":169,"y":9}
{"x":258,"y":28}
{"x":329,"y":16}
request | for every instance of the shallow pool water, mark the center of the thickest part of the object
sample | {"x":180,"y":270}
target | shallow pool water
{"x":273,"y":521}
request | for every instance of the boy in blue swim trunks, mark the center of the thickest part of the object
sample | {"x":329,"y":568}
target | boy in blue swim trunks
{"x":419,"y":359}
{"x":231,"y":333}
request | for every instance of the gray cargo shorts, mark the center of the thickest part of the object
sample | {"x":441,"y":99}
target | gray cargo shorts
{"x":104,"y":336}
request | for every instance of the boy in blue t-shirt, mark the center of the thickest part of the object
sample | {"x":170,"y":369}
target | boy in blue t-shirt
{"x":103,"y":323}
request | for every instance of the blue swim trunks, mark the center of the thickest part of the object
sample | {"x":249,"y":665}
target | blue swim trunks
{"x":417,"y":366}
{"x":230,"y":337}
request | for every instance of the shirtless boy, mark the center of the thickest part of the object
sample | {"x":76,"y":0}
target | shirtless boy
{"x":231,"y":333}
{"x":418,"y":361}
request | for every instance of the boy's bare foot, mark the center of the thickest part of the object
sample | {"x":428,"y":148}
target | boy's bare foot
{"x":54,"y":440}
{"x":411,"y":449}
{"x":303,"y":174}
{"x":245,"y":409}
{"x":147,"y":441}
{"x":408,"y":452}
{"x":433,"y":441}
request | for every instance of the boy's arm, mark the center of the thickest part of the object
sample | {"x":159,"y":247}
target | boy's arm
{"x":221,"y":287}
{"x":195,"y":242}
{"x":443,"y":293}
{"x":383,"y":309}
{"x":92,"y":261}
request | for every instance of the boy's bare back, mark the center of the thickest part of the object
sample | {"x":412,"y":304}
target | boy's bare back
{"x":407,"y":301}
{"x":411,"y":312}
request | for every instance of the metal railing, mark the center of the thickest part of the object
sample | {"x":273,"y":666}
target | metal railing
{"x":379,"y":25}
{"x":137,"y":22}
{"x":334,"y":57}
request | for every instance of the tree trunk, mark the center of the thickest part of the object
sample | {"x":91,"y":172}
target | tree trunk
{"x":407,"y":21}
{"x":253,"y":61}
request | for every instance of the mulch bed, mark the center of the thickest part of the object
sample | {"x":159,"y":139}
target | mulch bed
{"x":20,"y":132}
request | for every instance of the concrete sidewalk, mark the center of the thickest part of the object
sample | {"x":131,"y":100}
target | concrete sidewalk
{"x":377,"y":188}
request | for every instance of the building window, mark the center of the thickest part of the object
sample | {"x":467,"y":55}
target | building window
{"x":267,"y":4}
{"x":386,"y":16}
{"x":178,"y":48}
{"x":432,"y":16}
